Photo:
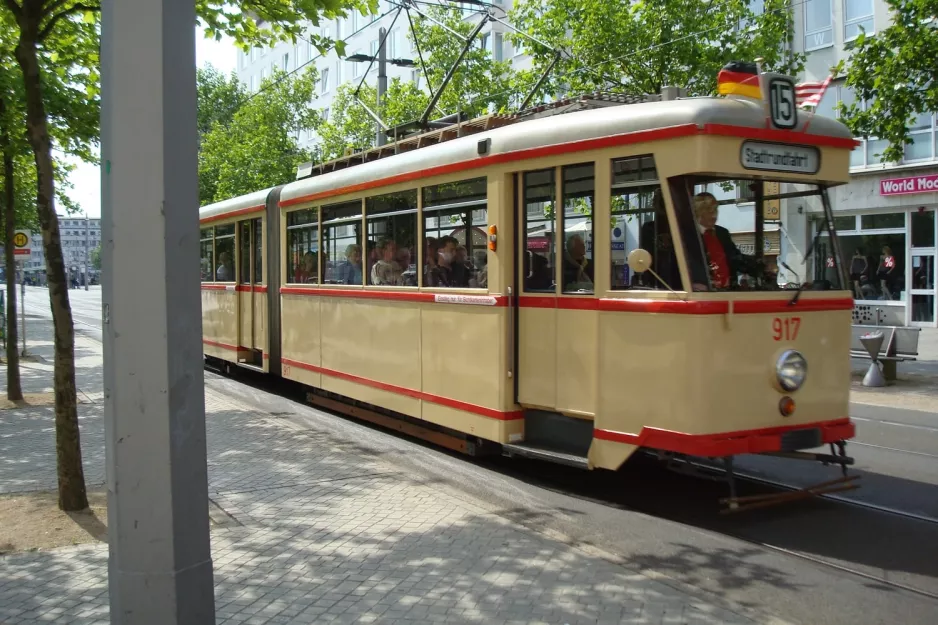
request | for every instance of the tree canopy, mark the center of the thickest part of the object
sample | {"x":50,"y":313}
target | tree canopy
{"x":219,"y":97}
{"x":894,"y":73}
{"x":640,"y":47}
{"x":258,"y":148}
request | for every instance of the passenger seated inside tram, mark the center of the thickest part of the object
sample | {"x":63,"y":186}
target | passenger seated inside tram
{"x":306,"y":270}
{"x":386,"y":271}
{"x":655,"y":238}
{"x":350,"y":270}
{"x":577,"y":268}
{"x":726,"y":261}
{"x":444,"y":274}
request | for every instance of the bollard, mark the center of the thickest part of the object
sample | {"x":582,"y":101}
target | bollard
{"x":872,"y":342}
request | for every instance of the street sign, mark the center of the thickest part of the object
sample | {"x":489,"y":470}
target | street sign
{"x":21,"y":249}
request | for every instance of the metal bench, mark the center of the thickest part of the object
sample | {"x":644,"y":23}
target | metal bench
{"x":900,"y":344}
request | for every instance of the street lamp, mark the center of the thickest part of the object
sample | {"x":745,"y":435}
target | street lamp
{"x":382,"y":72}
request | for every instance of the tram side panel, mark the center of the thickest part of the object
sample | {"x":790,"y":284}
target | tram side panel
{"x":465,"y":380}
{"x":300,"y":331}
{"x":220,"y":321}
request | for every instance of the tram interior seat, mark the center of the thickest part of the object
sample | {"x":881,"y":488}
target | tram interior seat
{"x":899,"y":345}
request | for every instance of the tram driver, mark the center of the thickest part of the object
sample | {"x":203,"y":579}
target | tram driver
{"x":726,"y":261}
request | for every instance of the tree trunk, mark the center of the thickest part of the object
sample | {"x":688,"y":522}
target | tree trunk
{"x":71,"y":475}
{"x":14,"y":390}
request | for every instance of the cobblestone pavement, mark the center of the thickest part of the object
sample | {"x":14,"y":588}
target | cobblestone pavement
{"x":322,"y":531}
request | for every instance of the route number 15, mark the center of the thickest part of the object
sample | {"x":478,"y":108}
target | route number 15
{"x":785,"y":328}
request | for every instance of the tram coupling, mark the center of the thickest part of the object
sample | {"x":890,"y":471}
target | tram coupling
{"x":838,"y":456}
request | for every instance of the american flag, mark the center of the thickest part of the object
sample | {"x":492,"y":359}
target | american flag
{"x":810,"y":93}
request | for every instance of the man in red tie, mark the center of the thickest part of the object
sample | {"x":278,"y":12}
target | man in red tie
{"x":724,"y":258}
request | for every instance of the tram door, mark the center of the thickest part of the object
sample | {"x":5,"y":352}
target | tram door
{"x":556,"y":333}
{"x":250,"y":341}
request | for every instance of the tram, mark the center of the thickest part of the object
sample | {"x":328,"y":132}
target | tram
{"x":551,"y":284}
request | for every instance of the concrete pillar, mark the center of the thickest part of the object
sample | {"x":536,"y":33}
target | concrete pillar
{"x":160,"y":567}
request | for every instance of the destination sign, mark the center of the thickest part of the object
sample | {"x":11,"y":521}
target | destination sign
{"x":777,"y":157}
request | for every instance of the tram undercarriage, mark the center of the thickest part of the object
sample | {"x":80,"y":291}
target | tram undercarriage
{"x":723,"y":470}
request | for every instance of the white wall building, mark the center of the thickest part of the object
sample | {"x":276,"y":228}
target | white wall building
{"x":361,"y":35}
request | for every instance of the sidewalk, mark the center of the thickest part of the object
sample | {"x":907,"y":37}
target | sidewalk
{"x":916,"y":386}
{"x":310,"y":529}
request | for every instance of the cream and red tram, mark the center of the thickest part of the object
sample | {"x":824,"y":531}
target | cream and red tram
{"x":501,"y":297}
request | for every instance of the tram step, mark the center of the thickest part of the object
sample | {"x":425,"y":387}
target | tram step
{"x":548,"y":455}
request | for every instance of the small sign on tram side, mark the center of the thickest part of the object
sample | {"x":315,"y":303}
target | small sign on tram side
{"x":21,"y":248}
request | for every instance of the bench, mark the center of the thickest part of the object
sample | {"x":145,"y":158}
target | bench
{"x":900,"y":343}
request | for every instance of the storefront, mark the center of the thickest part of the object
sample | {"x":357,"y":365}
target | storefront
{"x":887,"y":227}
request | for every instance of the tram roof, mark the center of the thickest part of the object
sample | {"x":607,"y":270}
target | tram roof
{"x":541,"y":132}
{"x":255,"y":199}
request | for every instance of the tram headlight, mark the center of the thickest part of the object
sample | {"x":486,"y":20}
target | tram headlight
{"x":791,"y":370}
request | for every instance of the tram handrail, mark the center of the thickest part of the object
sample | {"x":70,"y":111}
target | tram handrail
{"x":511,"y":334}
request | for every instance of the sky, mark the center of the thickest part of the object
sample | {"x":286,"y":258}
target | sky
{"x":87,"y":178}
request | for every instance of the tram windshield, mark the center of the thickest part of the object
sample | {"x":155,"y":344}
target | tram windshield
{"x":735,"y":238}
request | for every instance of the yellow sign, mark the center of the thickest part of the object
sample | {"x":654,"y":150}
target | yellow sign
{"x":20,"y":239}
{"x":771,"y":209}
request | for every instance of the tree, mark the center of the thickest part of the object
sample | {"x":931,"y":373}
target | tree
{"x":638,"y":48}
{"x":479,"y":83}
{"x":57,"y":53}
{"x":894,"y":72}
{"x":96,"y":258}
{"x":219,"y":98}
{"x":350,"y":127}
{"x":258,"y":148}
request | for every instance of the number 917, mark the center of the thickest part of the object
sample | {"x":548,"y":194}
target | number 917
{"x":785,"y":329}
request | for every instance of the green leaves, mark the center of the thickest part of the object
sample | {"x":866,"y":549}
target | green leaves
{"x":894,"y":71}
{"x":254,"y":146}
{"x":640,"y":47}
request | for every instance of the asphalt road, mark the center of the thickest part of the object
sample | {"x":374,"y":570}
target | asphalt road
{"x":813,"y":562}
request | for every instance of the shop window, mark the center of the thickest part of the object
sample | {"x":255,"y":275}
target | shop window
{"x":303,"y":246}
{"x":455,"y":223}
{"x":391,"y":221}
{"x":577,"y":254}
{"x":206,"y":252}
{"x":225,"y":253}
{"x":923,"y":228}
{"x":539,"y":242}
{"x":875,"y":264}
{"x":845,"y":223}
{"x":882,"y":221}
{"x":342,"y":243}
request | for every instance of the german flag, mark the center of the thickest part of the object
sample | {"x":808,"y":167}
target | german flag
{"x":739,"y":78}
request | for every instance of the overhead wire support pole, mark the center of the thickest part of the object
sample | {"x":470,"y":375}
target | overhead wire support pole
{"x":540,"y":81}
{"x":452,"y":70}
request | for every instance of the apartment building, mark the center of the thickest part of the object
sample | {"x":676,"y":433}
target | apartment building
{"x":79,"y":236}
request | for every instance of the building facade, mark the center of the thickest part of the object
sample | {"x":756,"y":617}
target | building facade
{"x":886,"y":215}
{"x":79,"y":237}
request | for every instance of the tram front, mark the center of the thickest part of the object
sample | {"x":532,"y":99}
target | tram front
{"x":746,"y":347}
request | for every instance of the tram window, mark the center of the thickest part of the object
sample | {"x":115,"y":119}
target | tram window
{"x":206,"y":252}
{"x":225,"y":253}
{"x":258,"y":251}
{"x":342,"y":243}
{"x":392,"y":236}
{"x":244,"y":245}
{"x":303,"y":246}
{"x":539,"y":194}
{"x":455,"y":221}
{"x":578,"y":199}
{"x":639,"y":220}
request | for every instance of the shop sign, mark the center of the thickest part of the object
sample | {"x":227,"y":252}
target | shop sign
{"x":905,"y":186}
{"x":777,"y":157}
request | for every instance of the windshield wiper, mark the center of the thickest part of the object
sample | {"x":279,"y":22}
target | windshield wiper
{"x":807,"y":255}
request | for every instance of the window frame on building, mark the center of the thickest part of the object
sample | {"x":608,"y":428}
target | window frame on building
{"x":859,"y":21}
{"x":829,"y":28}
